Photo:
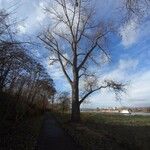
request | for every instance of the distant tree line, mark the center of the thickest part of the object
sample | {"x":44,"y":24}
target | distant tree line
{"x":63,"y":102}
{"x":24,"y":83}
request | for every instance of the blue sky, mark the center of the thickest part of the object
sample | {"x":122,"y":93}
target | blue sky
{"x":129,"y":48}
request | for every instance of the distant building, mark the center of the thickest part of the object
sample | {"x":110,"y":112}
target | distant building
{"x":125,"y":111}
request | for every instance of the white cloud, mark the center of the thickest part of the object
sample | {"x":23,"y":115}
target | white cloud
{"x":5,"y":4}
{"x":127,"y":64}
{"x":22,"y":29}
{"x":34,"y":19}
{"x":129,"y":32}
{"x":138,"y":88}
{"x":57,"y":75}
{"x":30,"y":14}
{"x":40,"y":12}
{"x":121,"y":71}
{"x":54,"y":70}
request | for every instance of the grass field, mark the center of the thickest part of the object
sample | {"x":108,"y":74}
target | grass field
{"x":116,"y":119}
{"x":110,"y":131}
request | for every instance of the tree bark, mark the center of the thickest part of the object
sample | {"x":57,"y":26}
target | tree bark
{"x":75,"y":115}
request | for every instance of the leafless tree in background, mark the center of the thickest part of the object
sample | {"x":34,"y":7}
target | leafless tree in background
{"x":64,"y":101}
{"x":138,"y":8}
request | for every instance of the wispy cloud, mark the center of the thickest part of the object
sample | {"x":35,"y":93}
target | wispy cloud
{"x":34,"y":21}
{"x":121,"y":72}
{"x":129,"y":32}
{"x":22,"y":28}
{"x":134,"y":31}
{"x":56,"y":74}
{"x":54,"y":70}
{"x":138,"y":88}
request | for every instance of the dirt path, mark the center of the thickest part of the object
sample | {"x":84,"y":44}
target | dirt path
{"x":52,"y":137}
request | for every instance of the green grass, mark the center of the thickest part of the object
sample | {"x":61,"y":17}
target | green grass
{"x":110,"y":131}
{"x":129,"y":132}
{"x":116,"y":119}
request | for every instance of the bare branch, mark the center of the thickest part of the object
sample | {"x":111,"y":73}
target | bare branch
{"x":117,"y":87}
{"x":92,"y":91}
{"x":56,"y":49}
{"x":94,"y":45}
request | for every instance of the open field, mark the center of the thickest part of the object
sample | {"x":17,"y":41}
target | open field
{"x":110,"y":131}
{"x":115,"y":119}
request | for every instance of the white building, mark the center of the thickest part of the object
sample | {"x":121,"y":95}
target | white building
{"x":125,"y":111}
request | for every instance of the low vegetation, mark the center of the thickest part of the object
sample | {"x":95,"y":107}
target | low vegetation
{"x":109,"y":131}
{"x":20,"y":123}
{"x":21,"y":135}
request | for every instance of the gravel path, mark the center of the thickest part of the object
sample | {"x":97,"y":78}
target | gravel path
{"x":52,"y":137}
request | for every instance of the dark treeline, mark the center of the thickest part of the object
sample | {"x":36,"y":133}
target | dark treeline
{"x":25,"y":86}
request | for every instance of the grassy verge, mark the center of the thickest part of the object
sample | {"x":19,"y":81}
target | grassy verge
{"x":109,"y":131}
{"x":21,"y":135}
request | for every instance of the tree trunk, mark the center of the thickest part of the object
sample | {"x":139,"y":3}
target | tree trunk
{"x":75,"y":115}
{"x":1,"y":88}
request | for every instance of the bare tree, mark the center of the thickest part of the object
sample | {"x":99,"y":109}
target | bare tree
{"x":64,"y":101}
{"x":76,"y":40}
{"x":137,"y":7}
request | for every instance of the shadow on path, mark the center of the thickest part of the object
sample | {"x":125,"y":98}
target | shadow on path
{"x":52,"y":137}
